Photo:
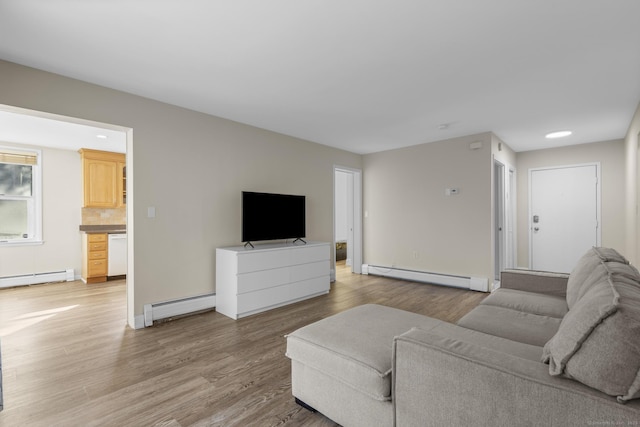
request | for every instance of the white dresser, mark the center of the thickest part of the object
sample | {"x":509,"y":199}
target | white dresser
{"x":250,"y":281}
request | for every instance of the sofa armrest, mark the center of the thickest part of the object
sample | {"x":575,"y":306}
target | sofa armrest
{"x":543,"y":282}
{"x":443,"y":381}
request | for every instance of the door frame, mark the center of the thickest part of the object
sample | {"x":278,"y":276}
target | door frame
{"x":356,"y":201}
{"x":503,"y":213}
{"x":499,"y":223}
{"x":598,"y":202}
{"x":130,"y":287}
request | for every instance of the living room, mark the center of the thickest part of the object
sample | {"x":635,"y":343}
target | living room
{"x":192,"y":166}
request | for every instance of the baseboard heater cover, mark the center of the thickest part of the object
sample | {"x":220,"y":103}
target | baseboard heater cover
{"x":473,"y":283}
{"x":164,"y":310}
{"x":34,"y":279}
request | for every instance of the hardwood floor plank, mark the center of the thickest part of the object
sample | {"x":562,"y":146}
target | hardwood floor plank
{"x":70,"y":360}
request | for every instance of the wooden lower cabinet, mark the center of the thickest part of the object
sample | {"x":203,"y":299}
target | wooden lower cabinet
{"x":94,"y":257}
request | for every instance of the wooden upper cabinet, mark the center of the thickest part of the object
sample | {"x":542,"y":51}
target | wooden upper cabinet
{"x":103,"y":178}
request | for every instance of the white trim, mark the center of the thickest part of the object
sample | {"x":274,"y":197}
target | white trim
{"x":34,"y":279}
{"x":166,"y":309}
{"x":138,"y":322}
{"x":480,"y":284}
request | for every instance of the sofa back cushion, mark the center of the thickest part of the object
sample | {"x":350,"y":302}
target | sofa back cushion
{"x":598,"y":341}
{"x":587,"y":273}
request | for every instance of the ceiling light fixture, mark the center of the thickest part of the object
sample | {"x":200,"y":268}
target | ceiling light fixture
{"x":101,"y":136}
{"x":558,"y":134}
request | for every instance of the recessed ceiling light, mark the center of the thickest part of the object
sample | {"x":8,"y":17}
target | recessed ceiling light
{"x":558,"y":134}
{"x":101,"y":136}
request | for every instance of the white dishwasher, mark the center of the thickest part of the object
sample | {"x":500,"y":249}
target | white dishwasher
{"x":117,"y":257}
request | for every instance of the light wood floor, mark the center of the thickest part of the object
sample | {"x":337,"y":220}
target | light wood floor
{"x":68,"y":358}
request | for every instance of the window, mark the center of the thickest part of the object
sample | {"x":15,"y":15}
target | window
{"x":20,"y":196}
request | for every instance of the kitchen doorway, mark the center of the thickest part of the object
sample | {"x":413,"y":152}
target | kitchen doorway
{"x":20,"y":126}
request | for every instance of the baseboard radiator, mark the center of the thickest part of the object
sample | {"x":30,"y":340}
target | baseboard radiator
{"x":34,"y":279}
{"x":473,"y":283}
{"x":179,"y":307}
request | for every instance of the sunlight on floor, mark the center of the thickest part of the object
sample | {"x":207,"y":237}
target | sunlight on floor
{"x":24,"y":321}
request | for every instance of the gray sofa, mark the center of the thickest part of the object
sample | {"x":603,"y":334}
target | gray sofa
{"x":544,"y":349}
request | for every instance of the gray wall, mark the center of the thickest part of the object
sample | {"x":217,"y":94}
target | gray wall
{"x":191,"y":167}
{"x":410,"y":222}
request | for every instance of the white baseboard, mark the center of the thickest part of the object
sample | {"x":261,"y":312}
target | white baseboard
{"x":33,"y":279}
{"x":473,"y":283}
{"x":138,"y":321}
{"x":163,"y":310}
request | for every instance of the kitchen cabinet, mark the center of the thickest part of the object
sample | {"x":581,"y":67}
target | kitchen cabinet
{"x":94,"y":257}
{"x":103,"y":177}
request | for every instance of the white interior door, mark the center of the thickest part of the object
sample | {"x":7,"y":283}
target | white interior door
{"x":564,"y":215}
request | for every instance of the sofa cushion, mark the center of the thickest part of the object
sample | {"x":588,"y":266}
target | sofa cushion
{"x":516,"y":325}
{"x":355,"y":346}
{"x":598,"y":342}
{"x":503,"y":345}
{"x":589,"y":271}
{"x":529,"y":302}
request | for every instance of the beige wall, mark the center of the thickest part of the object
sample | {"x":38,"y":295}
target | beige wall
{"x":610,"y":155}
{"x":632,"y":188}
{"x":61,"y":202}
{"x":191,"y":167}
{"x":407,"y":211}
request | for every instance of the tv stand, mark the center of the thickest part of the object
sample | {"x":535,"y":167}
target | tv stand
{"x":250,"y":281}
{"x":250,"y":244}
{"x":300,"y":239}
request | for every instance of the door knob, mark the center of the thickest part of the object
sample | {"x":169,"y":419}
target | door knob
{"x":536,"y":229}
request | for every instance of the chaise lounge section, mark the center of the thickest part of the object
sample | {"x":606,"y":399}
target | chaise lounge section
{"x":544,"y":349}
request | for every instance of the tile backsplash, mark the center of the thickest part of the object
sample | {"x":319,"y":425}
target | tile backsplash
{"x":104,"y":216}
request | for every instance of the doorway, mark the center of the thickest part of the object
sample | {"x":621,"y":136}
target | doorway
{"x":499,"y":219}
{"x":27,"y":127}
{"x":564,"y":215}
{"x":347,"y":213}
{"x":504,"y":219}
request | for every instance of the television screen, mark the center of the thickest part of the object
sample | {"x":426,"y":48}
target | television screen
{"x":267,"y":216}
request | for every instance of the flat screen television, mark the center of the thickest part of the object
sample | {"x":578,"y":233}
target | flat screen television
{"x":268,"y":216}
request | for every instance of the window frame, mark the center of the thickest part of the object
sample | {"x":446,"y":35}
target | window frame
{"x":34,"y":209}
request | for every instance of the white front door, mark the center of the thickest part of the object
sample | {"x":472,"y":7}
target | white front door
{"x":563,"y":216}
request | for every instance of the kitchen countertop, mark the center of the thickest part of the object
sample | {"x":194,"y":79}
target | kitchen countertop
{"x":109,"y":229}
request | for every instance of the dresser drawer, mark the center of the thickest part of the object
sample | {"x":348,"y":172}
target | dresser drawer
{"x":257,"y":301}
{"x":265,"y":279}
{"x":263,"y":260}
{"x":304,"y":255}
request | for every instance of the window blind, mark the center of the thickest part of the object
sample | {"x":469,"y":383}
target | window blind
{"x":18,"y":158}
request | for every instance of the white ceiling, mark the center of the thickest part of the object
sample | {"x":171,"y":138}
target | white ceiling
{"x":26,"y":128}
{"x":362,"y":75}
